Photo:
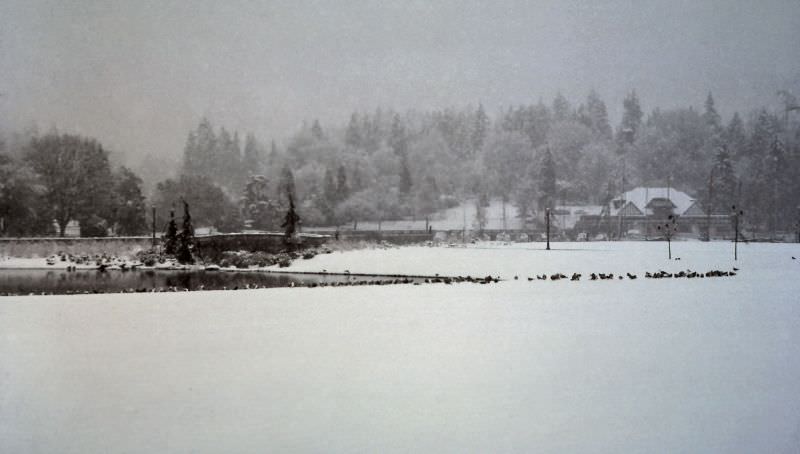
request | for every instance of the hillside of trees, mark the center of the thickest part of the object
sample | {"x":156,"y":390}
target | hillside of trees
{"x":389,"y":165}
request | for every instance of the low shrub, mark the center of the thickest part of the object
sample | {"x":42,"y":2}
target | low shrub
{"x":150,"y":257}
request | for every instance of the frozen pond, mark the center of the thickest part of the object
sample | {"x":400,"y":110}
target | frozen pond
{"x":24,"y":282}
{"x":637,"y":366}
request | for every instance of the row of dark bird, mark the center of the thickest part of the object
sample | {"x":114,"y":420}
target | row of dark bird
{"x":428,"y":280}
{"x":689,"y":274}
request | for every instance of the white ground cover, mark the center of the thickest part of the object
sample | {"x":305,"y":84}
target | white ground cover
{"x":673,"y":365}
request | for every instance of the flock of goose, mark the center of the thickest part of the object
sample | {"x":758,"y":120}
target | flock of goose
{"x":688,"y":274}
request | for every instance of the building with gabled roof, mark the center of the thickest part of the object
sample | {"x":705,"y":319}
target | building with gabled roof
{"x":644,"y":201}
{"x":638,"y":212}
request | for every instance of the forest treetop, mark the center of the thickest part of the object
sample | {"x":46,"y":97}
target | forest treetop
{"x":387,"y":165}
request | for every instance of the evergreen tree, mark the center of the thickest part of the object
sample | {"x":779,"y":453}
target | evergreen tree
{"x":505,"y":161}
{"x":171,"y":236}
{"x":723,"y":196}
{"x":316,"y":130}
{"x":508,"y":123}
{"x":527,"y":192}
{"x":397,"y":137}
{"x":235,"y":168}
{"x":185,"y":238}
{"x":535,"y":120}
{"x":199,"y":156}
{"x":286,"y":186}
{"x":631,"y":119}
{"x":342,"y":189}
{"x":427,"y":196}
{"x":547,"y":180}
{"x":480,"y":129}
{"x":711,"y":117}
{"x":764,"y":130}
{"x":370,"y":133}
{"x":291,"y":221}
{"x":405,"y":176}
{"x":274,"y":155}
{"x":329,"y":186}
{"x":327,"y":200}
{"x":253,"y":160}
{"x":226,"y":167}
{"x":778,"y":190}
{"x":191,"y":162}
{"x":597,"y":115}
{"x":356,"y":179}
{"x":561,"y":108}
{"x":754,"y":169}
{"x":352,"y":136}
{"x":735,"y":136}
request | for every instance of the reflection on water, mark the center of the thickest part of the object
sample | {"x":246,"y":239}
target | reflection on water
{"x":23,"y":282}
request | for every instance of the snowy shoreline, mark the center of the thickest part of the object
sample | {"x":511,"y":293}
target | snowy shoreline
{"x":617,"y":366}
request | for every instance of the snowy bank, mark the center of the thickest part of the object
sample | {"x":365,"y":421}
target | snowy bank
{"x":631,"y":366}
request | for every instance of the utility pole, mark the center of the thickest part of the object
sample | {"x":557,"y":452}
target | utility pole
{"x":775,"y":145}
{"x":547,"y":225}
{"x":736,"y":215}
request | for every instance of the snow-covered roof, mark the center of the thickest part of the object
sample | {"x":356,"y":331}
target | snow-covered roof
{"x":642,"y":197}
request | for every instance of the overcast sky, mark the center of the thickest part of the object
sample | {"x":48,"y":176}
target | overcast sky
{"x":139,"y":74}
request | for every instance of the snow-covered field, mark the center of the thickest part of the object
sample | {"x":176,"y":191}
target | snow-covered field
{"x":672,"y":365}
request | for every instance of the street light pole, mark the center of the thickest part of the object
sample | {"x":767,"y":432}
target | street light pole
{"x":547,"y":225}
{"x":775,"y":193}
{"x":154,"y":226}
{"x":736,"y":215}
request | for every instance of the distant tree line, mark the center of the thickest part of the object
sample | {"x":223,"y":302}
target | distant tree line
{"x":388,"y":165}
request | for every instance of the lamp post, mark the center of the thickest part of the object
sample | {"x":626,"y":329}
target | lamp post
{"x":736,"y":213}
{"x":153,"y":208}
{"x":775,"y":191}
{"x":547,"y":225}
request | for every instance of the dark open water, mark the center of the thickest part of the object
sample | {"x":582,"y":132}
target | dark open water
{"x":23,"y":282}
